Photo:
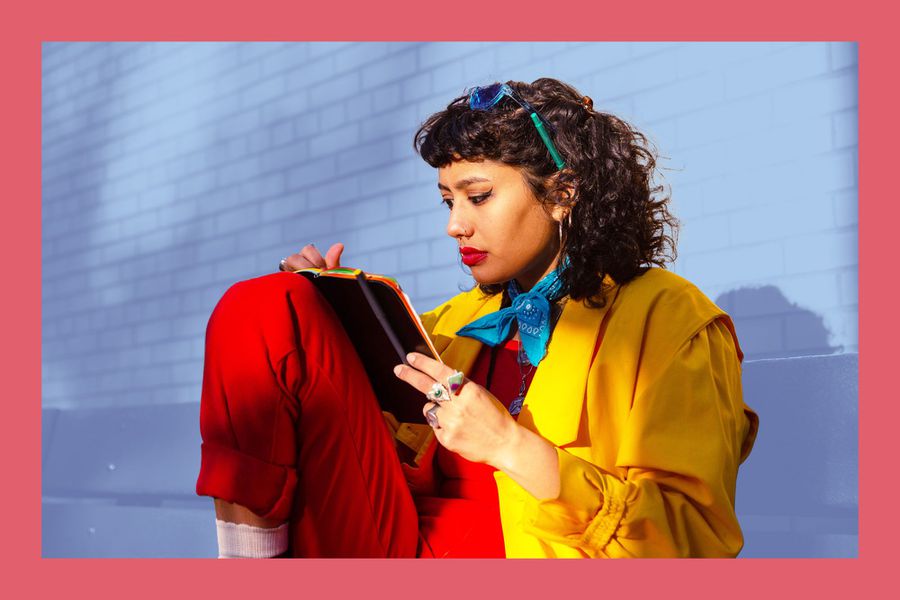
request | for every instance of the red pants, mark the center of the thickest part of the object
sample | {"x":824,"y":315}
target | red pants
{"x":292,"y":430}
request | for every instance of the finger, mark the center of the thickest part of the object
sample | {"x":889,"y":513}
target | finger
{"x":436,"y":370}
{"x":311,"y":254}
{"x":333,"y":256}
{"x":431,"y":415}
{"x":417,"y":379}
{"x":295,"y":262}
{"x":428,"y":406}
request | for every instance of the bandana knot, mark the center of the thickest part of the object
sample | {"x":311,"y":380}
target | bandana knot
{"x":529,"y":310}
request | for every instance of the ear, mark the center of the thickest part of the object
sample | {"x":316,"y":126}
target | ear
{"x":563,"y":192}
{"x":565,"y":200}
{"x":559,"y":212}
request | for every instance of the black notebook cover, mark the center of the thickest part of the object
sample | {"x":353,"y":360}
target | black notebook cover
{"x":383,"y":327}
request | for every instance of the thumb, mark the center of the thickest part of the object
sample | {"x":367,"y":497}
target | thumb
{"x":333,"y":256}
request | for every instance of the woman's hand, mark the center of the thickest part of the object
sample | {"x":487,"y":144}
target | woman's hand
{"x":309,"y":256}
{"x":474,"y":424}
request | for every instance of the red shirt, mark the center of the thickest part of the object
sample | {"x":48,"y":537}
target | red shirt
{"x":464,"y":519}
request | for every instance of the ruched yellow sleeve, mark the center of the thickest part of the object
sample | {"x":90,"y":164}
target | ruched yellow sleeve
{"x":685,"y":435}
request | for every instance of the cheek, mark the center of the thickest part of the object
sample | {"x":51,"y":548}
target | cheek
{"x":509,"y":238}
{"x":532,"y":229}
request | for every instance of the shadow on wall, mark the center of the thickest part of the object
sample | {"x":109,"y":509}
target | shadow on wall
{"x":770,"y":326}
{"x":807,"y":444}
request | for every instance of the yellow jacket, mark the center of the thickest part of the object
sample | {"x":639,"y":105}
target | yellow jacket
{"x":649,"y":430}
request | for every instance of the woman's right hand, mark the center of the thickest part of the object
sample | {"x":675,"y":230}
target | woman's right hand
{"x":309,"y":256}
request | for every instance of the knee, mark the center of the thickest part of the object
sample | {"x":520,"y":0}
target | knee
{"x":258,"y":289}
{"x":265,"y":293}
{"x":258,"y":322}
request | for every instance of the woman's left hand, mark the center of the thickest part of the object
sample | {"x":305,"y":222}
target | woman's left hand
{"x":472,"y":423}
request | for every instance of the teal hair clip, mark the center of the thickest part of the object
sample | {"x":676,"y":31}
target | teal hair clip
{"x":484,"y":98}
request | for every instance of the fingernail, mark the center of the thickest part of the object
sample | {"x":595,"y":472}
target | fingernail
{"x":397,"y":369}
{"x":411,"y":357}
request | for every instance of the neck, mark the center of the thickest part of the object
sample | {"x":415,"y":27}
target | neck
{"x":527,"y":282}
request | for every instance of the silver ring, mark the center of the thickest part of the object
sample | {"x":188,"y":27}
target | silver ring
{"x":282,"y":265}
{"x":438,"y":393}
{"x":431,"y":417}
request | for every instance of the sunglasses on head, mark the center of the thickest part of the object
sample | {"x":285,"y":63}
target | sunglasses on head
{"x":484,"y":98}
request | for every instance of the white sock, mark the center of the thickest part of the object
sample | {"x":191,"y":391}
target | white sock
{"x":239,"y":540}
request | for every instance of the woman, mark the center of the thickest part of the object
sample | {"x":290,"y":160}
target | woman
{"x":600,"y":414}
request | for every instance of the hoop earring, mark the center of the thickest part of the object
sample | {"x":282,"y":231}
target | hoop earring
{"x":568,"y":227}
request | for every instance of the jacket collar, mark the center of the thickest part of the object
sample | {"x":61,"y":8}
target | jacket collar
{"x":555,"y":399}
{"x":462,"y":351}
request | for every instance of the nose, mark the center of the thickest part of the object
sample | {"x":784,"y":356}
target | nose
{"x":458,"y":224}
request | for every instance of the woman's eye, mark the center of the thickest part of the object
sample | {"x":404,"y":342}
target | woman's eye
{"x":473,"y":199}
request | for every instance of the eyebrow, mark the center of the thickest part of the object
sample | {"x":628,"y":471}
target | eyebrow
{"x":463,"y":183}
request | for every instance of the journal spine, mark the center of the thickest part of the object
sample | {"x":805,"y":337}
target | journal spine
{"x":382,"y":318}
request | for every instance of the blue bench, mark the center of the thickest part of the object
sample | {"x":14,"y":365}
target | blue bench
{"x":119,"y":482}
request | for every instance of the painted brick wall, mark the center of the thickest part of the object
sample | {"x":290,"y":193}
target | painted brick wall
{"x":172,"y":170}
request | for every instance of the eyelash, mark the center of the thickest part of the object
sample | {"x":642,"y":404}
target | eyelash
{"x":449,"y":203}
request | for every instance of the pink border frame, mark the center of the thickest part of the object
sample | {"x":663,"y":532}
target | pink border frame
{"x":575,"y":20}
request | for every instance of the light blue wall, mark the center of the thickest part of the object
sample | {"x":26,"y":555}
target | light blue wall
{"x":171,"y":170}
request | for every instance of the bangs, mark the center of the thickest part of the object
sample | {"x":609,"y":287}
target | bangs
{"x":458,"y":133}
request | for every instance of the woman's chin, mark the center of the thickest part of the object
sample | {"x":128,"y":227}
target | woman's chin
{"x":485,"y":278}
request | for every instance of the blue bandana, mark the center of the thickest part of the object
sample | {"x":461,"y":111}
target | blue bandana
{"x":531,"y":310}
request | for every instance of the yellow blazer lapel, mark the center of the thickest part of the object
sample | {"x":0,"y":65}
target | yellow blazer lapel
{"x":555,"y":398}
{"x":462,"y":351}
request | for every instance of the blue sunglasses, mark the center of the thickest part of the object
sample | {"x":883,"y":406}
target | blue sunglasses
{"x":484,"y":98}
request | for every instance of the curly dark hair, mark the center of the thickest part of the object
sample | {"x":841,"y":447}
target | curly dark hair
{"x":620,"y":224}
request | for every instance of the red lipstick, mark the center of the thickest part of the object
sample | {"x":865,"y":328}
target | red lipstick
{"x":472,"y":256}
